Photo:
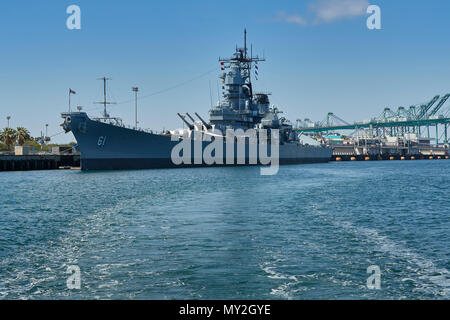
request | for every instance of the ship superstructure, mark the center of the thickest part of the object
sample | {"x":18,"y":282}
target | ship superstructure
{"x":242,"y":107}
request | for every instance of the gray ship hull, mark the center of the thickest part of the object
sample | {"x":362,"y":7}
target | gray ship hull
{"x":105,"y":146}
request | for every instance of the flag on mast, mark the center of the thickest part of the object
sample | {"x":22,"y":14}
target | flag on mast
{"x":71,"y":92}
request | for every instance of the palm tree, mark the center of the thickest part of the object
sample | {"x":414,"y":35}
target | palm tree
{"x":8,"y":136}
{"x":23,"y":135}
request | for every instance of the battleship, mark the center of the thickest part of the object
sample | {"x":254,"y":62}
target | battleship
{"x":106,"y":143}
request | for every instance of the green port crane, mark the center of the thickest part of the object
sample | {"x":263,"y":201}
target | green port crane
{"x":424,"y":108}
{"x":412,"y":111}
{"x":401,"y":112}
{"x":330,"y":120}
{"x":439,"y":105}
{"x":387,"y":113}
{"x":396,"y":123}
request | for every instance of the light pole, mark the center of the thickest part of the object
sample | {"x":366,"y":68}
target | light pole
{"x":135,"y":90}
{"x":7,"y":119}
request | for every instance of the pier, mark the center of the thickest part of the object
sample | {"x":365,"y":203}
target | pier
{"x":38,"y":162}
{"x":365,"y":148}
{"x":387,"y":157}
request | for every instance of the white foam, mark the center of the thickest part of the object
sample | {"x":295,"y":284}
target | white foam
{"x":427,"y":272}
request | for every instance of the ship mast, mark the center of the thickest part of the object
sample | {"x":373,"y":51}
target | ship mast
{"x":105,"y":102}
{"x":244,"y":62}
{"x":241,"y":107}
{"x":245,"y":43}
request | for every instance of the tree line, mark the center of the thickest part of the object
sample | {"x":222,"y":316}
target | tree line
{"x":21,"y":136}
{"x":10,"y":136}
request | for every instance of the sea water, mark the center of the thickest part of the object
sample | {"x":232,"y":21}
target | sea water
{"x":309,"y":232}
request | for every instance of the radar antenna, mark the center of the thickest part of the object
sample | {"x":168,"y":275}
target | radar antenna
{"x":244,"y":62}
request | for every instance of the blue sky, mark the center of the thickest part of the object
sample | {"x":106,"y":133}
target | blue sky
{"x":320,"y":58}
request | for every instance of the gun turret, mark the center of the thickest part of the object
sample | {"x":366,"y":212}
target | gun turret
{"x":190,"y":126}
{"x":207,"y":126}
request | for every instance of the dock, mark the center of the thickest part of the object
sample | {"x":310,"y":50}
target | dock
{"x":38,"y":162}
{"x":387,"y":157}
{"x":367,"y":148}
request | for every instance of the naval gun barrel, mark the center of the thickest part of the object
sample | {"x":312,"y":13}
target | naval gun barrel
{"x":207,"y":126}
{"x":190,"y":117}
{"x":190,"y":126}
